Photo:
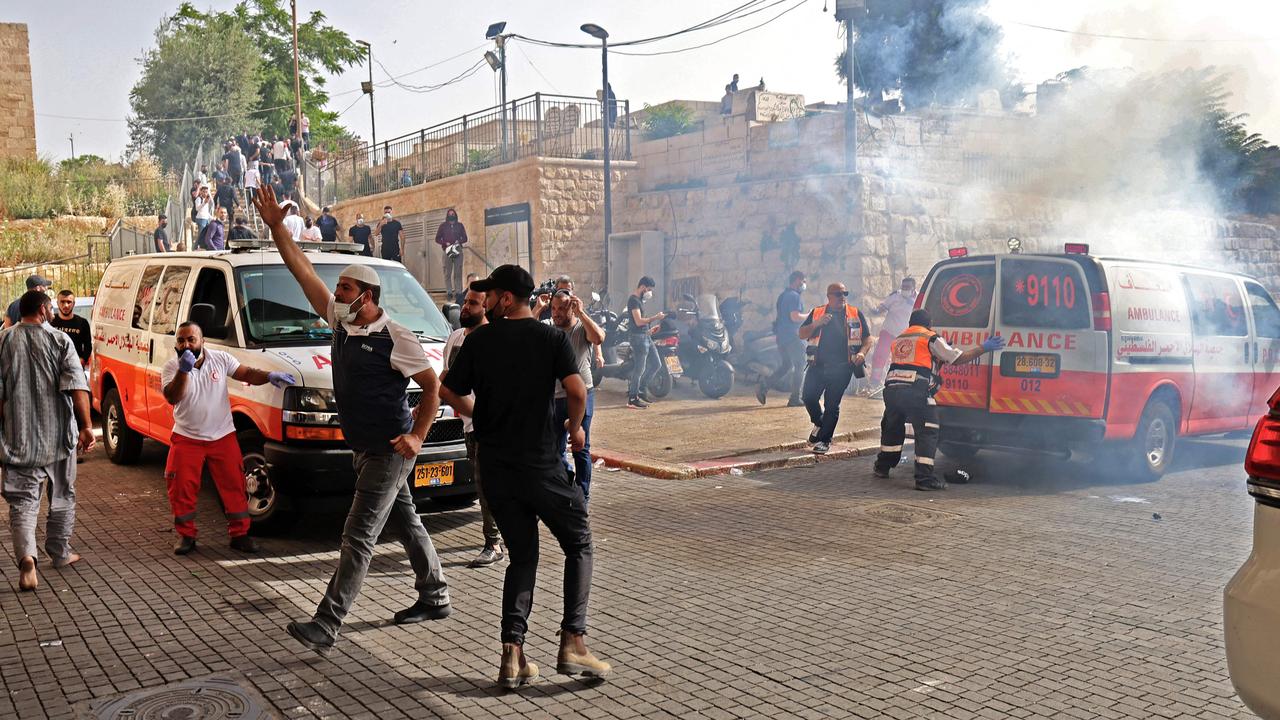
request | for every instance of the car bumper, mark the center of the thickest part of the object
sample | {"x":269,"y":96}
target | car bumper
{"x":1047,"y":433}
{"x":1251,"y":616}
{"x":309,"y":471}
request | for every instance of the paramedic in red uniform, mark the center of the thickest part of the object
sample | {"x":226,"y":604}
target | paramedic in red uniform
{"x":834,"y":358}
{"x":916,"y":358}
{"x":195,"y":384}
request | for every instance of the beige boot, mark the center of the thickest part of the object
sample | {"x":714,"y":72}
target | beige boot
{"x":515,"y":670}
{"x":576,"y":659}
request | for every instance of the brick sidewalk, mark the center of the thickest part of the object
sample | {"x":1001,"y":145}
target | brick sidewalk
{"x":815,"y":592}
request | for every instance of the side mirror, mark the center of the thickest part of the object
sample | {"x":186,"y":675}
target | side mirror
{"x":202,"y":315}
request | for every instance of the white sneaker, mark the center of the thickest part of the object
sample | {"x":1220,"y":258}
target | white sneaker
{"x":813,"y":434}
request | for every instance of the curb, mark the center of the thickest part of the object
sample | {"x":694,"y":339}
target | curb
{"x":745,"y":462}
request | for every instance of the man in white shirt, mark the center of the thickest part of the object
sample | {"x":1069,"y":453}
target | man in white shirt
{"x":897,"y":311}
{"x":471,"y":316}
{"x":252,"y":180}
{"x":293,"y":222}
{"x":195,"y":384}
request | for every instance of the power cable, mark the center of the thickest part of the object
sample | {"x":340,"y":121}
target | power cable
{"x":713,"y":42}
{"x":535,"y":68}
{"x":178,"y":119}
{"x":1139,"y":38}
{"x":725,"y":17}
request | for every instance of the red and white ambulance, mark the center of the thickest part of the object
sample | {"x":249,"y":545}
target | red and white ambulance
{"x":1115,"y":354}
{"x":250,"y":306}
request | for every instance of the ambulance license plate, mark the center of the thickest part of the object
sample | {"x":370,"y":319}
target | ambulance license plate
{"x":673,"y":365}
{"x":1029,"y":364}
{"x":433,"y":474}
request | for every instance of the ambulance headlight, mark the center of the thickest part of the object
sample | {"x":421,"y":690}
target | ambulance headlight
{"x":304,"y":399}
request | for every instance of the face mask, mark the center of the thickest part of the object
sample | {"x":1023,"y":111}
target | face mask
{"x":360,"y":221}
{"x":804,"y":286}
{"x":387,"y":216}
{"x":496,"y":313}
{"x":648,"y":295}
{"x":352,"y":310}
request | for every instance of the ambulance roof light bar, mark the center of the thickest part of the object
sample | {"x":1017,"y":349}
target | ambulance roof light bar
{"x":1076,"y":248}
{"x":321,"y":246}
{"x":958,"y":252}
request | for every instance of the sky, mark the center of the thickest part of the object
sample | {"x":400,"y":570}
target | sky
{"x":86,"y":54}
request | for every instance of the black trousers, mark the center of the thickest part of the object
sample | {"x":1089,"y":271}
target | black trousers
{"x":908,"y":403}
{"x":520,"y":496}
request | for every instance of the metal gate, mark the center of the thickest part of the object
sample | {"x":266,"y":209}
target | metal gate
{"x":418,"y":249}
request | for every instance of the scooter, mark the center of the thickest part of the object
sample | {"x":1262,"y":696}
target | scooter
{"x":702,"y":355}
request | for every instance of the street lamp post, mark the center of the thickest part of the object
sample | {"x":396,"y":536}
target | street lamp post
{"x":494,"y":33}
{"x":599,"y":33}
{"x":373,"y":127}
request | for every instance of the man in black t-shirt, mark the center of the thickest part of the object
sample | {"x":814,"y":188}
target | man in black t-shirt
{"x":838,"y":339}
{"x":359,"y":234}
{"x":512,"y":365}
{"x":76,"y":327}
{"x":389,"y":235}
{"x":644,"y":356}
{"x":160,"y":236}
{"x":790,"y":308}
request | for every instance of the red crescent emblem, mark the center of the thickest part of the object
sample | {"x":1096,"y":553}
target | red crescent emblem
{"x":961,"y":295}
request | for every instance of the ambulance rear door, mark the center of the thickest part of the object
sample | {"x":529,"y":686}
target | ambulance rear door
{"x":1054,"y":362}
{"x":959,"y":299}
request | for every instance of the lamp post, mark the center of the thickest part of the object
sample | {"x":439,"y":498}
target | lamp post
{"x":368,"y":88}
{"x":499,"y":64}
{"x":599,"y":33}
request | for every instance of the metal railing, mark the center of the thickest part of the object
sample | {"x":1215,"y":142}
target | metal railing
{"x":77,"y":273}
{"x":538,"y":125}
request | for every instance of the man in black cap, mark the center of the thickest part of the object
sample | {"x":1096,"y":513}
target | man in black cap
{"x":34,"y":282}
{"x":512,"y":365}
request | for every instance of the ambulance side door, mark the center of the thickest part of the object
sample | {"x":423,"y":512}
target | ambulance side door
{"x":136,"y":409}
{"x":1266,"y":346}
{"x":164,"y":326}
{"x":1054,"y":362}
{"x":1222,"y":356}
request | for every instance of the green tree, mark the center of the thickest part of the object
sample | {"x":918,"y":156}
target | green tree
{"x":935,"y":51}
{"x":322,"y":50}
{"x":668,"y":119}
{"x":211,"y":71}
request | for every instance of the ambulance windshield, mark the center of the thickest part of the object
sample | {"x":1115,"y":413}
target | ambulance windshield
{"x":276,"y":311}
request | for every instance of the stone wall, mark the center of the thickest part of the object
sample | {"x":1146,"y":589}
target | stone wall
{"x":17,"y":106}
{"x":566,"y":207}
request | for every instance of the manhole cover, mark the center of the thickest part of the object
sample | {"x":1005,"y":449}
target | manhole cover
{"x":902,"y":514}
{"x":208,"y":698}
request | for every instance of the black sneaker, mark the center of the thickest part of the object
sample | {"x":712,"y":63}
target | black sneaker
{"x":821,"y":448}
{"x":421,"y":611}
{"x":795,"y":402}
{"x":761,"y":393}
{"x":931,"y":484}
{"x":244,"y":544}
{"x":813,"y":434}
{"x":879,"y":473}
{"x":636,"y":403}
{"x":310,"y":634}
{"x":185,"y":545}
{"x":644,"y":398}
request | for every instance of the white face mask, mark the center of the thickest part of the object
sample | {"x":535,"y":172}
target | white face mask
{"x":804,"y":286}
{"x":648,"y":295}
{"x":387,"y":216}
{"x":352,"y":310}
{"x":359,"y":221}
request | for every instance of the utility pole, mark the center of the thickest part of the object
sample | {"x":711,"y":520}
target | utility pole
{"x":373,"y":127}
{"x":297,"y":91}
{"x":72,"y":138}
{"x":602,"y":35}
{"x":847,"y":11}
{"x":502,"y":89}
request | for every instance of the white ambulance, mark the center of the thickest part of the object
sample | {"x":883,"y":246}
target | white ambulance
{"x":1113,"y":354}
{"x":250,"y":306}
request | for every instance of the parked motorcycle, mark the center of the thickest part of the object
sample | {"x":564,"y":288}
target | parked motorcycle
{"x":616,"y":348}
{"x":702,"y":354}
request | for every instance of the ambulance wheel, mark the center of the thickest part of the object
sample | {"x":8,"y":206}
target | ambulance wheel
{"x":1151,"y":452}
{"x":958,"y":453}
{"x":269,"y":510}
{"x":122,"y":443}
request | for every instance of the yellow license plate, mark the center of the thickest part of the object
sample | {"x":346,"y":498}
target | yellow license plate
{"x":433,"y":474}
{"x":1036,"y":364}
{"x":673,"y":365}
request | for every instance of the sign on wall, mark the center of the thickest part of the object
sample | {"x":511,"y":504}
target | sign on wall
{"x":508,"y":236}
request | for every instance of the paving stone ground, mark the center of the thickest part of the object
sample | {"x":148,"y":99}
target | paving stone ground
{"x":1043,"y":590}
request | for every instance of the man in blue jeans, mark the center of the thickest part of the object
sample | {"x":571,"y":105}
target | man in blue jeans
{"x":374,"y":357}
{"x":838,"y":339}
{"x":568,"y":314}
{"x":644,"y":356}
{"x":790,"y":307}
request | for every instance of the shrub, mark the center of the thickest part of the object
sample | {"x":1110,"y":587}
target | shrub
{"x":28,"y":189}
{"x":667,"y":119}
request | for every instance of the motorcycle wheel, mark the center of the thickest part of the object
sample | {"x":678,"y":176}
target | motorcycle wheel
{"x":660,"y":384}
{"x":717,"y":381}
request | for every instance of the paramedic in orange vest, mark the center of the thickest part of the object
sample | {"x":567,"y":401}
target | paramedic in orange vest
{"x":915,"y":360}
{"x":834,"y":357}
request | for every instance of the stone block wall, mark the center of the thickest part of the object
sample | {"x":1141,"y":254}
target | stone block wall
{"x":17,"y":105}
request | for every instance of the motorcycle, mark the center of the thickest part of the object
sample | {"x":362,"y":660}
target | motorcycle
{"x":702,"y":355}
{"x":755,"y":354}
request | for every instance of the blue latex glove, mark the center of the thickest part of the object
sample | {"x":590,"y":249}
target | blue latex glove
{"x":281,"y":379}
{"x":993,"y":343}
{"x":186,"y":361}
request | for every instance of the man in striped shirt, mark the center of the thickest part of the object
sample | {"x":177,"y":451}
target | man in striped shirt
{"x":44,"y":416}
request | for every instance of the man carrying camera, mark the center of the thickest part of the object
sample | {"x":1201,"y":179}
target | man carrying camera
{"x":838,"y":339}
